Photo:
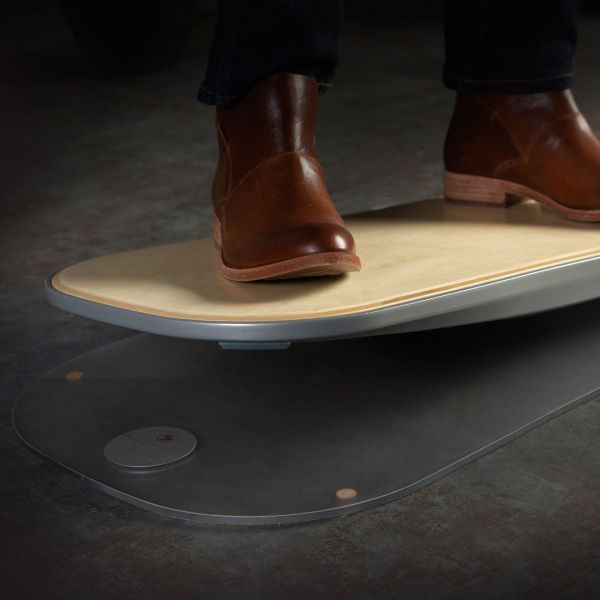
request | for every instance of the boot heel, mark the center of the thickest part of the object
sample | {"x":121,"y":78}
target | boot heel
{"x":472,"y":189}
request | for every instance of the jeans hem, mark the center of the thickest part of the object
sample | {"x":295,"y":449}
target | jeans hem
{"x":552,"y":83}
{"x":227,"y":99}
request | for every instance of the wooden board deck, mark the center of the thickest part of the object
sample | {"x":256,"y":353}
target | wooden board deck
{"x":408,"y":252}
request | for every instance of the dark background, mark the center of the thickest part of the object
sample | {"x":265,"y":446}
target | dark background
{"x":105,"y":151}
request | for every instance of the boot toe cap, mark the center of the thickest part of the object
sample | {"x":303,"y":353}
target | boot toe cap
{"x":264,"y":248}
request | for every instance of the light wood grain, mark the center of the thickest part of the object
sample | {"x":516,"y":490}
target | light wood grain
{"x":408,"y":252}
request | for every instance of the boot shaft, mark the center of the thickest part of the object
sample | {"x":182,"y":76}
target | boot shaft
{"x":277,"y":116}
{"x":489,"y":130}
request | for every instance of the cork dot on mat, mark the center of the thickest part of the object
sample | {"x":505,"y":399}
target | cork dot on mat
{"x":346,"y":494}
{"x":74,"y":376}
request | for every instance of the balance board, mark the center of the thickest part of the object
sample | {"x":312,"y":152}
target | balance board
{"x":189,"y":431}
{"x":425,"y":265}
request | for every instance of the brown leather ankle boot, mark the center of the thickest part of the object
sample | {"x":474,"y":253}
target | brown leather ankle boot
{"x":501,"y":148}
{"x":273,"y":216}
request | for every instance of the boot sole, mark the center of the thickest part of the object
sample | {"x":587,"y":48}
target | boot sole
{"x":486,"y":191}
{"x":311,"y":265}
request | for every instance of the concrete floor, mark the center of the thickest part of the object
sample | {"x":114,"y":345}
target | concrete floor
{"x":94,"y":165}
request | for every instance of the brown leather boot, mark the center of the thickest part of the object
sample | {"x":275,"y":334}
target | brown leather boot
{"x":273,"y":216}
{"x":501,"y":148}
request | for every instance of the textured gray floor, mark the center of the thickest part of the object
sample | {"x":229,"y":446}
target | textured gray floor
{"x":94,"y":165}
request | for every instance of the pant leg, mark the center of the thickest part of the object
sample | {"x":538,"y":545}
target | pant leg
{"x":510,"y":46}
{"x":254,"y":39}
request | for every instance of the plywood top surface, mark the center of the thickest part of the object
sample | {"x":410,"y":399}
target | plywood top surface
{"x":408,"y":252}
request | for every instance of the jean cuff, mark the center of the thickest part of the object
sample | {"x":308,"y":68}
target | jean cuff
{"x":552,"y":83}
{"x":230,"y":99}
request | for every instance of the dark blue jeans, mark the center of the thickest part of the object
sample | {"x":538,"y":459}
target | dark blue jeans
{"x":492,"y":46}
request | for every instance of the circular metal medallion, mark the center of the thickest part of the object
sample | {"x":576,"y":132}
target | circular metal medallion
{"x":150,"y":447}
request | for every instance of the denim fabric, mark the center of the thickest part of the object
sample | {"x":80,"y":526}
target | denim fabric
{"x":510,"y":46}
{"x":493,"y":46}
{"x":254,"y":39}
